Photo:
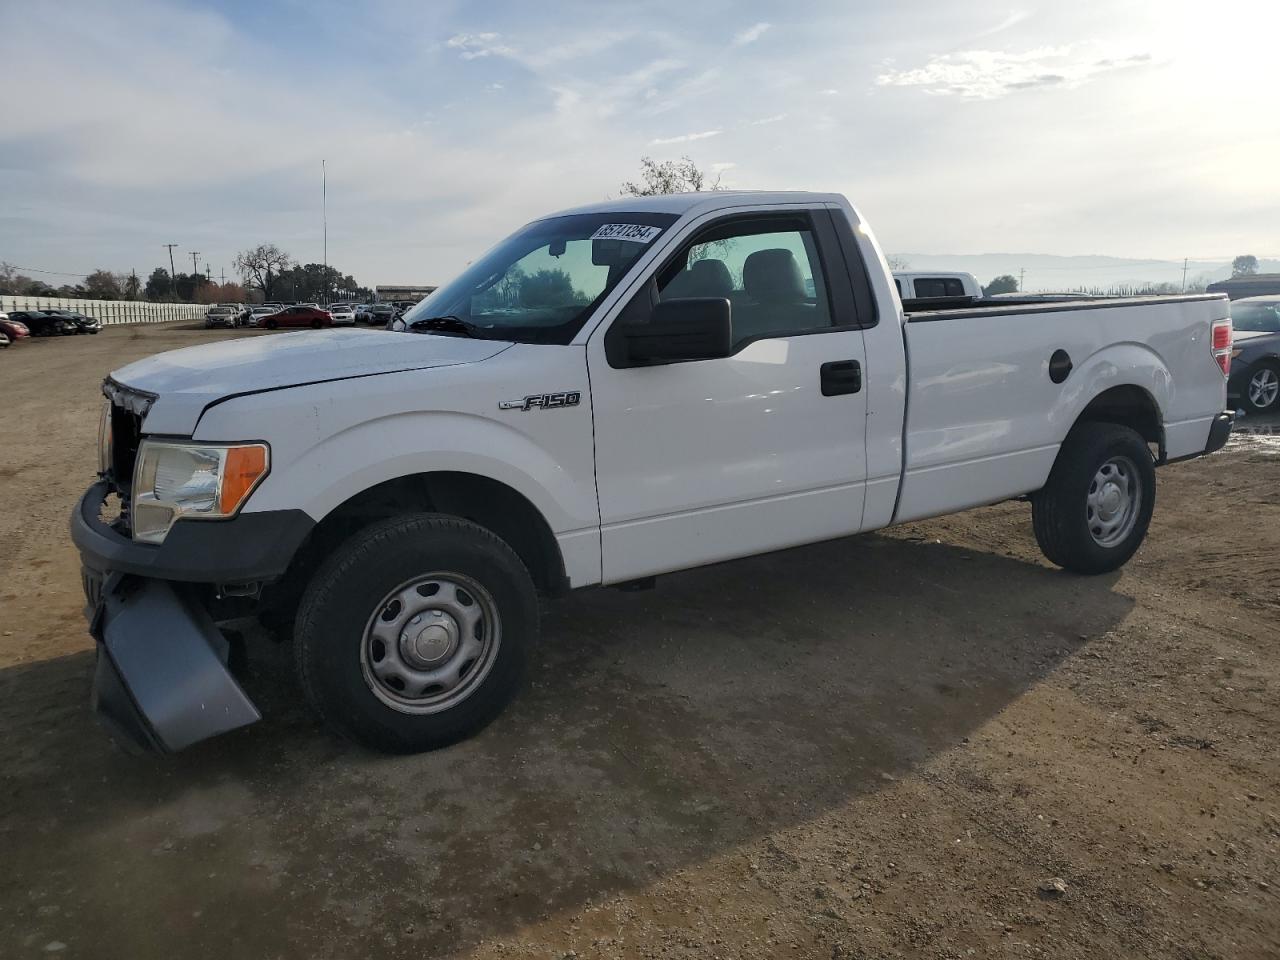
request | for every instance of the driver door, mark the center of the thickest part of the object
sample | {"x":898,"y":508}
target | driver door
{"x":707,"y":460}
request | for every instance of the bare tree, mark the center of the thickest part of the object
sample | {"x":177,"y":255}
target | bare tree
{"x":669,"y":176}
{"x":898,"y":262}
{"x":261,"y":266}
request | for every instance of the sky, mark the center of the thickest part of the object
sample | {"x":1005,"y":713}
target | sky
{"x":1129,"y":129}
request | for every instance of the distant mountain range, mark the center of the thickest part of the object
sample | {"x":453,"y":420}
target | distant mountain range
{"x":1052,"y":273}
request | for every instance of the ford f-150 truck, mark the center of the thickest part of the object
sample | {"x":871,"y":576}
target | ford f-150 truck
{"x":611,"y":393}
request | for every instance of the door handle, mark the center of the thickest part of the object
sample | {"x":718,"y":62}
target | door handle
{"x":840,"y":377}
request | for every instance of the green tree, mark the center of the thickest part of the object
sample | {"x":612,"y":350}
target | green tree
{"x":159,"y":284}
{"x":103,"y":285}
{"x":187,"y":285}
{"x":1005,"y":283}
{"x":1245,"y":265}
{"x":548,"y":288}
{"x":668,"y":176}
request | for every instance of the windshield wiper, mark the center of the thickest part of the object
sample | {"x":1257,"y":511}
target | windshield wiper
{"x":449,"y":324}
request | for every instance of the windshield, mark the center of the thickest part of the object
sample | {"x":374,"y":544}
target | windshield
{"x":1256,"y":317}
{"x":541,"y":283}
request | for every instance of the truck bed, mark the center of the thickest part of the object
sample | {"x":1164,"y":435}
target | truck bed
{"x":950,"y":308}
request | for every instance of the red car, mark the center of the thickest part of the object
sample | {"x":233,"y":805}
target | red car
{"x":297,"y":317}
{"x":15,"y":330}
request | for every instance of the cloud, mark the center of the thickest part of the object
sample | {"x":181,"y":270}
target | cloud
{"x":751,"y":34}
{"x":476,"y":45}
{"x":990,"y":74}
{"x":767,"y":120}
{"x":1014,"y":18}
{"x":685,"y":137}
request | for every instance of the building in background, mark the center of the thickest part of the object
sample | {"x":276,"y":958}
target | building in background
{"x":400,"y":292}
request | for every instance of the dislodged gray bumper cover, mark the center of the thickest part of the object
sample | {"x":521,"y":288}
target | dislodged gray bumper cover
{"x":162,"y":682}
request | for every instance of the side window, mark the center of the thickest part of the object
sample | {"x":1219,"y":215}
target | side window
{"x":927,"y":287}
{"x":769,"y":271}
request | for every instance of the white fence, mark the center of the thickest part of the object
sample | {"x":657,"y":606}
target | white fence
{"x":110,"y":311}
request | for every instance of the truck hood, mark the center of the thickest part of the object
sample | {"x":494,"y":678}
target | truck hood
{"x":184,"y":382}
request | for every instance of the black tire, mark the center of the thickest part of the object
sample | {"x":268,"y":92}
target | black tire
{"x":1261,"y":368}
{"x":1068,"y":532}
{"x":272,"y":324}
{"x":316,"y":324}
{"x":350,"y":589}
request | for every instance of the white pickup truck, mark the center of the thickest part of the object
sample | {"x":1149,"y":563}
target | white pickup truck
{"x":610,"y":393}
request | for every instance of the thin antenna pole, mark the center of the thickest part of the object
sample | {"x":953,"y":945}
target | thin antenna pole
{"x":324,"y":213}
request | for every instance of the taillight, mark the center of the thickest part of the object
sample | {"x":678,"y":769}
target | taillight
{"x":1221,"y":341}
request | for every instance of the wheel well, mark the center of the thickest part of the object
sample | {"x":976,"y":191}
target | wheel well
{"x":1131,"y":407}
{"x":486,"y":502}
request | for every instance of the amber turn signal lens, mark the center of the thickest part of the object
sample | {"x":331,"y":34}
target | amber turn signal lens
{"x":245,"y":466}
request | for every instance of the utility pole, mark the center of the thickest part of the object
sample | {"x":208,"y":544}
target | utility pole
{"x":173,"y":290}
{"x":194,"y":269}
{"x":1184,"y":274}
{"x":324,"y":216}
{"x":1022,"y":273}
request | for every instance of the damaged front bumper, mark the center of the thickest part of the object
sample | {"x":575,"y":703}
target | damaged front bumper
{"x":162,"y":681}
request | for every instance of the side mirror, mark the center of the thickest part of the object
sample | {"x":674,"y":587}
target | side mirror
{"x":693,"y":328}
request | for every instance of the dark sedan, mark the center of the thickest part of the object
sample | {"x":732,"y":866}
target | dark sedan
{"x":297,"y":316}
{"x":84,"y":323}
{"x":44,"y":323}
{"x":1255,"y":355}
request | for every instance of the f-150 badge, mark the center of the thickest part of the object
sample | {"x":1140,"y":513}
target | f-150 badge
{"x":543,"y":401}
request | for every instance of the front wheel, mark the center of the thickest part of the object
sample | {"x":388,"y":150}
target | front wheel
{"x":1262,"y":389}
{"x":1093,"y":513}
{"x":413,"y":635}
{"x":272,"y":324}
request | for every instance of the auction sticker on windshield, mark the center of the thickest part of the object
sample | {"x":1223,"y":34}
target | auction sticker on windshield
{"x":634,"y":232}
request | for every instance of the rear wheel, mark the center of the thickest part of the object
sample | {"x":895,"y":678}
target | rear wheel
{"x":1093,"y":513}
{"x":413,"y":635}
{"x":1262,"y":388}
{"x":316,"y":324}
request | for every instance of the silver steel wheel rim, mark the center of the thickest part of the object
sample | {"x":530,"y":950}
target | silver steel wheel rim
{"x":430,"y":643}
{"x":1264,"y":387}
{"x":1115,"y":497}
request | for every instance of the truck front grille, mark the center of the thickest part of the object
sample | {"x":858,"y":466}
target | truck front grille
{"x":128,"y":408}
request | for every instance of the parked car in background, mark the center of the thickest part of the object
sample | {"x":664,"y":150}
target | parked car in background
{"x":84,"y":323}
{"x":298,"y":316}
{"x":344,"y":315}
{"x":15,"y":330}
{"x":44,"y":324}
{"x":382,"y":313}
{"x":263,"y":310}
{"x":1255,"y":355}
{"x":4,"y":339}
{"x":220,"y":316}
{"x":936,"y":284}
{"x":362,"y":312}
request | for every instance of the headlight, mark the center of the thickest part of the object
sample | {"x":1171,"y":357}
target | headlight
{"x":104,"y":438}
{"x":173,"y":481}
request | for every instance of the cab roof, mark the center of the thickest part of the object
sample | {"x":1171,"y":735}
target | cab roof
{"x":685,"y":203}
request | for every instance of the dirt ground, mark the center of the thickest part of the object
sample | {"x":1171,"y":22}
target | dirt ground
{"x":894,"y":745}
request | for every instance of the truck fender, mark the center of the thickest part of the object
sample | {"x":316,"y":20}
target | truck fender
{"x":1125,"y":364}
